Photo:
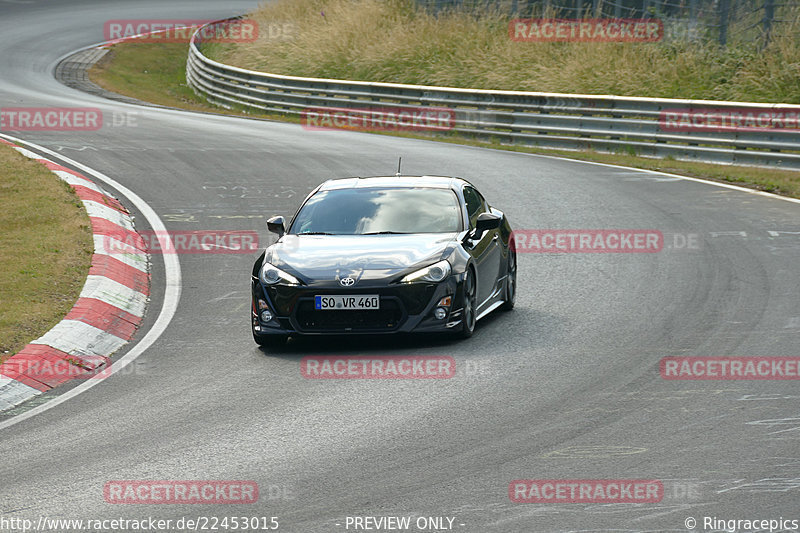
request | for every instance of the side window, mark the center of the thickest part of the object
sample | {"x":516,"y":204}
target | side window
{"x":474,"y":202}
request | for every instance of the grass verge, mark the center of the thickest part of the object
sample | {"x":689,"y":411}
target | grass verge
{"x":164,"y":83}
{"x":45,"y":252}
{"x":398,"y":41}
{"x":152,"y":72}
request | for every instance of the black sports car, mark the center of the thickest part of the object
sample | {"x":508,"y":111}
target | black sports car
{"x":384,"y":255}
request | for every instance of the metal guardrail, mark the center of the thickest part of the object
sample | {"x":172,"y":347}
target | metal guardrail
{"x":548,"y":120}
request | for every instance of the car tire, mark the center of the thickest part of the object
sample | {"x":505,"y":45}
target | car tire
{"x":511,"y":282}
{"x":470,"y":306}
{"x":270,"y":341}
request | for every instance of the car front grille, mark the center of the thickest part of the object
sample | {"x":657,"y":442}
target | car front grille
{"x":387,"y":318}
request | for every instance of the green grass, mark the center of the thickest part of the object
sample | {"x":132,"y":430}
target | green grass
{"x":45,"y":250}
{"x":149,"y":72}
{"x":156,"y":73}
{"x":393,"y":41}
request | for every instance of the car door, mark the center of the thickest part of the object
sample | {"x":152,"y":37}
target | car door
{"x":485,"y":250}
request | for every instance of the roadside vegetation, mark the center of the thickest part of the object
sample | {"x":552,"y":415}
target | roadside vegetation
{"x":396,"y":41}
{"x":45,"y":250}
{"x":152,"y":72}
{"x":390,"y":40}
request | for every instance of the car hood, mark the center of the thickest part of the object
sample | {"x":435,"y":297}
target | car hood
{"x":328,"y":257}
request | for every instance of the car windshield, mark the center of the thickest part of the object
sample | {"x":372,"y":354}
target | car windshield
{"x":379,"y":211}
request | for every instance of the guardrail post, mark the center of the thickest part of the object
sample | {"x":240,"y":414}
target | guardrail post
{"x":769,"y":15}
{"x":724,"y":10}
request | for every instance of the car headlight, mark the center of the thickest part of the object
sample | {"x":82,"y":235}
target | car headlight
{"x":270,"y":275}
{"x":435,"y":273}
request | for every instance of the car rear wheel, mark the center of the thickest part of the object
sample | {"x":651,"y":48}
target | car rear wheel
{"x":470,"y":306}
{"x":511,"y":282}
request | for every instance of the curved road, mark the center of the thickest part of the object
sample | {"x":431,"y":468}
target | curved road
{"x":566,"y":386}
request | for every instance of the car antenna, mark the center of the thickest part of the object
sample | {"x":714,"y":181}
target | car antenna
{"x":399,"y":160}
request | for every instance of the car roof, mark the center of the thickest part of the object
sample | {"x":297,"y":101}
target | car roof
{"x":433,"y":182}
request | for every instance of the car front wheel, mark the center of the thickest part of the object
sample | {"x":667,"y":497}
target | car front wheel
{"x":511,"y":282}
{"x":470,"y":306}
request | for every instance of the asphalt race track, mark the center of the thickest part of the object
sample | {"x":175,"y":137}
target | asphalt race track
{"x":565,"y":387}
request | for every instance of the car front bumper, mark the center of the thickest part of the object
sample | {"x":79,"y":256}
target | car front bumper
{"x":404,"y":308}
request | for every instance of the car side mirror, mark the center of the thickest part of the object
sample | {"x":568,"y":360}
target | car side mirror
{"x":276,"y":225}
{"x":487,"y":221}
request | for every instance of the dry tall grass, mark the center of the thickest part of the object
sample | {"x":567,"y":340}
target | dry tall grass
{"x":392,"y":41}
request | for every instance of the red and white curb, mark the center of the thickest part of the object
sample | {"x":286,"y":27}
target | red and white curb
{"x":108,"y":311}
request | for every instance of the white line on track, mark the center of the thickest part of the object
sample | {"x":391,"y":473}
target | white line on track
{"x":660,"y":173}
{"x":172,"y":292}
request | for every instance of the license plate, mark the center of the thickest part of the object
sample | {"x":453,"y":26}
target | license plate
{"x":347,"y":303}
